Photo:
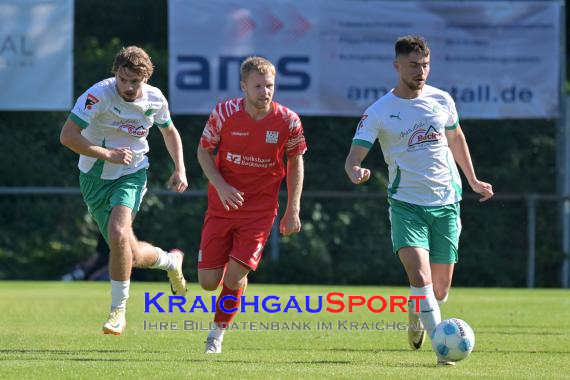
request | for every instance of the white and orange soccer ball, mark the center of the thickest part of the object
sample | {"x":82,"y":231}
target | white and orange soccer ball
{"x":453,"y":339}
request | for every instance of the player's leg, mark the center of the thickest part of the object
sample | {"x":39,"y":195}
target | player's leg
{"x":215,"y":247}
{"x":249,"y":238}
{"x":444,"y":245}
{"x":97,"y":195}
{"x":129,"y":191}
{"x":145,"y":255}
{"x":444,"y":242}
{"x":410,"y":240}
{"x":235,"y":279}
{"x":120,"y":265}
{"x":416,"y":264}
{"x":442,"y":275}
{"x":210,"y":279}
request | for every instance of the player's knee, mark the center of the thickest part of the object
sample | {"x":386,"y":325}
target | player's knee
{"x":233,"y":283}
{"x":117,"y":233}
{"x":234,"y":280}
{"x":420,"y":279}
{"x":441,"y":296}
{"x":137,"y":262}
{"x":209,"y":284}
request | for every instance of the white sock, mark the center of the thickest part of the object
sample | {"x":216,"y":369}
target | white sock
{"x":164,"y":261}
{"x":217,"y":333}
{"x":429,"y":309}
{"x":443,"y":300}
{"x":119,"y":294}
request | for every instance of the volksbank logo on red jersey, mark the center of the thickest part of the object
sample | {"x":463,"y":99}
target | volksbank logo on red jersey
{"x":256,"y":162}
{"x":235,"y":158}
{"x":336,"y":301}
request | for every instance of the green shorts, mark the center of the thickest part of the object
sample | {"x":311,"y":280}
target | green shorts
{"x":101,"y":195}
{"x":434,"y":228}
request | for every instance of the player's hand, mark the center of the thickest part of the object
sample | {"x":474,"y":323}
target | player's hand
{"x":122,"y":156}
{"x":229,"y":196}
{"x":358,"y":175}
{"x":290,"y":223}
{"x":483,"y":188}
{"x":178,"y":181}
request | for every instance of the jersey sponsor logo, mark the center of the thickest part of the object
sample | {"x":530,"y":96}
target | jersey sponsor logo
{"x":396,"y":116}
{"x":361,"y":122}
{"x":251,"y":161}
{"x":90,"y":101}
{"x":133,"y":130}
{"x":421,"y":136}
{"x":271,"y":137}
{"x":237,"y":133}
{"x":235,"y":158}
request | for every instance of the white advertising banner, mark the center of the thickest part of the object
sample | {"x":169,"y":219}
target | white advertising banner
{"x":498,"y":59}
{"x":36,"y":54}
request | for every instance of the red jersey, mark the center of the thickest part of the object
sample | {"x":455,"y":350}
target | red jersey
{"x":250,"y":154}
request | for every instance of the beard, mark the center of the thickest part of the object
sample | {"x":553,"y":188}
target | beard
{"x":414,"y":85}
{"x":129,"y":97}
{"x":261,"y":103}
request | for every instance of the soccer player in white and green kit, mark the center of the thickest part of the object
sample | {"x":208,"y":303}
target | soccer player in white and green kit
{"x":419,"y":134}
{"x":108,"y":128}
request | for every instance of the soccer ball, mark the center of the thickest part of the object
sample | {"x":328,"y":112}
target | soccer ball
{"x":453,"y":339}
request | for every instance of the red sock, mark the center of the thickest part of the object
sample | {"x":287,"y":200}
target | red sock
{"x":223,"y":319}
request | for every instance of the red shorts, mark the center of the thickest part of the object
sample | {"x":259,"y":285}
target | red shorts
{"x":241,"y":239}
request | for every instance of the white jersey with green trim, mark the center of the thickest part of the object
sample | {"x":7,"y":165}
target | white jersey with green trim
{"x":108,"y":120}
{"x":411,"y":133}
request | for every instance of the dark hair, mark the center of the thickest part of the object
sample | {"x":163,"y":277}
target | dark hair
{"x":407,"y":44}
{"x":133,"y":58}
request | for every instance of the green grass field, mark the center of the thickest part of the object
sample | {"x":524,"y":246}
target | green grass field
{"x":52,"y":330}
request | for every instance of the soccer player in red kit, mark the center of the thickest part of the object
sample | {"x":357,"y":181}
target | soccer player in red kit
{"x":242,"y":153}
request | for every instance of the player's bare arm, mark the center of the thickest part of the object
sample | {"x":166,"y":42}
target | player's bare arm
{"x":229,"y":195}
{"x":71,"y":137}
{"x":178,"y":181}
{"x":458,"y":146}
{"x":291,"y":223}
{"x":355,"y":172}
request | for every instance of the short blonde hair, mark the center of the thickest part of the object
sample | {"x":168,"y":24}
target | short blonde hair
{"x":133,"y":58}
{"x":259,"y":64}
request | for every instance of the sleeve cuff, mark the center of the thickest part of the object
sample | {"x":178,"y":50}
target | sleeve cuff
{"x":164,"y":125}
{"x":79,"y":121}
{"x":364,"y":143}
{"x":452,"y":127}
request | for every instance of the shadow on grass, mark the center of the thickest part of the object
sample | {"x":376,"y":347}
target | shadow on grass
{"x":51,"y":351}
{"x":511,"y":352}
{"x":370,"y":350}
{"x":194,"y":360}
{"x":72,"y":352}
{"x":529,"y":333}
